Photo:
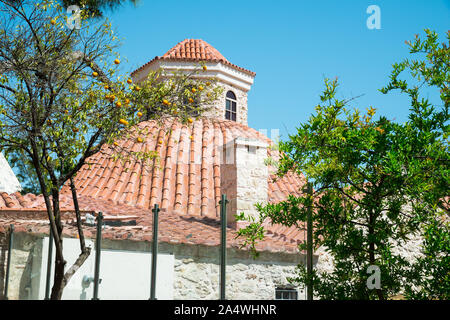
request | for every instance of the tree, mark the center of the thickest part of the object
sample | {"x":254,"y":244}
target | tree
{"x":376,"y":184}
{"x":429,"y":277}
{"x":96,"y":8}
{"x":62,"y":99}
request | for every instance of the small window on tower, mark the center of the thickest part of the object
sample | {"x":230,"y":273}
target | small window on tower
{"x":230,"y":106}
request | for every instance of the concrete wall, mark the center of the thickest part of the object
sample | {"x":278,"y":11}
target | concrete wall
{"x":8,"y":180}
{"x":24,"y":268}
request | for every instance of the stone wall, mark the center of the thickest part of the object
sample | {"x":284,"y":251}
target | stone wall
{"x":244,"y":176}
{"x":217,"y":109}
{"x":197,"y":274}
{"x":410,"y":250}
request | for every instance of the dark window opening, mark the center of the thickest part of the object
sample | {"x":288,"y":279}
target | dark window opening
{"x":286,"y":294}
{"x":230,"y":106}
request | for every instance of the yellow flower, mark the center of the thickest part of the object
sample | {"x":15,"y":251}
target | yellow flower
{"x":94,"y":74}
{"x":116,"y":144}
{"x":139,"y":139}
{"x":117,"y":61}
{"x":127,"y":101}
{"x":205,"y":68}
{"x":118,"y":104}
{"x":53,"y":21}
{"x":190,"y":120}
{"x":123,"y":121}
{"x":139,"y":114}
{"x":129,"y":81}
{"x":165,"y":102}
{"x":191,"y":100}
{"x":194,"y":90}
{"x":200,"y":88}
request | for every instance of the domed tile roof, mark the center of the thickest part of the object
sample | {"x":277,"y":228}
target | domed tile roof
{"x":194,"y":50}
{"x":186,"y":176}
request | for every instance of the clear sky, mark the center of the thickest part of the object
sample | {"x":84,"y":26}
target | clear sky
{"x":291,"y":45}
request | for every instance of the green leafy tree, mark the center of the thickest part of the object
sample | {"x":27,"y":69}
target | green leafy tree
{"x":97,"y":8}
{"x":63,"y":98}
{"x":428,"y":127}
{"x":377,"y":184}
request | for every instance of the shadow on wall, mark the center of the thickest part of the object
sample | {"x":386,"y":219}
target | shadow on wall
{"x":25,"y":261}
{"x":25,"y":279}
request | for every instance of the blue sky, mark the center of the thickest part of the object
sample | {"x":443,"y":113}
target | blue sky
{"x":291,"y":45}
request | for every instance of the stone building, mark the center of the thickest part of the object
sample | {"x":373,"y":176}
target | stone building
{"x":224,"y":156}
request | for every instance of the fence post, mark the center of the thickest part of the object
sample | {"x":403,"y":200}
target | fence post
{"x":49,"y":264}
{"x":309,"y":239}
{"x":154,"y":252}
{"x":8,"y":265}
{"x":98,"y":249}
{"x":223,"y":245}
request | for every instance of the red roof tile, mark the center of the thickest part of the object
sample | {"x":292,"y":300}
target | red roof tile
{"x":186,"y":183}
{"x":194,"y":50}
{"x":187,"y":178}
{"x":173,"y":228}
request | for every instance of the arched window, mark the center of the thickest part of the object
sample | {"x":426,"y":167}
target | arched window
{"x":230,"y":106}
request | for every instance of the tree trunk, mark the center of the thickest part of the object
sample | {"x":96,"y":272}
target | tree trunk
{"x":58,"y":282}
{"x":60,"y":263}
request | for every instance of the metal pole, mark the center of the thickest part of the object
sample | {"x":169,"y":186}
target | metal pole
{"x":223,"y":245}
{"x":11,"y":236}
{"x":309,"y":261}
{"x":154,"y":253}
{"x":98,"y":250}
{"x":49,"y":264}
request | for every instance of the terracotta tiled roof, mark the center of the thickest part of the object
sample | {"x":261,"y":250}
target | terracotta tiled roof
{"x":187,"y":178}
{"x":173,"y":228}
{"x":186,"y":183}
{"x":194,"y":50}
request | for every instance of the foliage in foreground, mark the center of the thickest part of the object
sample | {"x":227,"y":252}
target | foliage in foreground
{"x":377,"y":185}
{"x":63,"y":98}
